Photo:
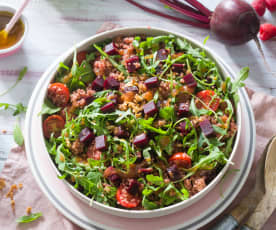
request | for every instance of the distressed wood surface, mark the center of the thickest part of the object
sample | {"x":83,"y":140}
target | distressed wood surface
{"x":56,"y":25}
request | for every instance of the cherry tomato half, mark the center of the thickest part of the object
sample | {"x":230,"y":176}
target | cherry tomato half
{"x":125,"y":199}
{"x":53,"y":124}
{"x":181,"y":159}
{"x":59,"y":94}
{"x":81,"y":56}
{"x":207,"y":97}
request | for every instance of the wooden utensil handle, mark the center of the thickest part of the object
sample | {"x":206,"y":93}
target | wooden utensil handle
{"x":261,"y":213}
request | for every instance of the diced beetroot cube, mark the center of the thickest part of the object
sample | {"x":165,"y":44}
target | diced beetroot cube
{"x":150,"y":108}
{"x":173,"y":172}
{"x":183,"y":109}
{"x":132,"y":64}
{"x":89,"y":99}
{"x":189,"y":80}
{"x":115,"y":179}
{"x":132,"y":186}
{"x":152,"y":82}
{"x":108,"y":107}
{"x":98,"y":84}
{"x":206,"y":127}
{"x":131,"y":89}
{"x":182,"y":128}
{"x":111,"y":83}
{"x":100,"y":142}
{"x":141,"y":140}
{"x":177,"y":67}
{"x":111,"y":49}
{"x":162,"y":54}
{"x":86,"y":135}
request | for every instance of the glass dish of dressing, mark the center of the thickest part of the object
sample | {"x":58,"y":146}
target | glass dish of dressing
{"x":17,"y":34}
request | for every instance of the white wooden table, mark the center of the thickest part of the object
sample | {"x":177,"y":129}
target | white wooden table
{"x":56,"y":25}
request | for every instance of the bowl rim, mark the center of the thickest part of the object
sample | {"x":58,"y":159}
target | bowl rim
{"x":8,"y":8}
{"x":67,"y":55}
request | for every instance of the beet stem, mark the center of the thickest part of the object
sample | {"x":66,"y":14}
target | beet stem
{"x":201,"y":18}
{"x":200,"y":7}
{"x":196,"y":24}
{"x":257,"y":41}
{"x":185,"y":6}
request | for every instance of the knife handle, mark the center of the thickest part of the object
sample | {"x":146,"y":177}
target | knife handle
{"x":244,"y":227}
{"x":228,"y":222}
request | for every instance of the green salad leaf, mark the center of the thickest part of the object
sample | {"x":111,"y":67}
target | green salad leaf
{"x":30,"y":218}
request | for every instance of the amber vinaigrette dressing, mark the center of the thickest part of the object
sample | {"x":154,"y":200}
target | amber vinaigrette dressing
{"x":14,"y":35}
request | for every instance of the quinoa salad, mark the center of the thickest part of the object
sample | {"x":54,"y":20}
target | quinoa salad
{"x":140,"y":122}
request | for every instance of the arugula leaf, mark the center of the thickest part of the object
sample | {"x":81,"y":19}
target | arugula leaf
{"x":157,"y":180}
{"x":167,"y":113}
{"x":147,"y":124}
{"x":219,"y":130}
{"x":206,"y":39}
{"x":17,"y":135}
{"x":48,"y":108}
{"x":195,"y":111}
{"x":238,"y":83}
{"x":29,"y":218}
{"x":146,"y":154}
{"x":22,"y":73}
{"x":18,"y":108}
{"x":149,"y":205}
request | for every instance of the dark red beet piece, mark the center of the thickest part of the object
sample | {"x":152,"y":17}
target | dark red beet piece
{"x":100,"y":142}
{"x":132,"y":186}
{"x":86,"y":135}
{"x":111,"y":49}
{"x":89,"y":99}
{"x":132,"y":64}
{"x":189,"y":80}
{"x":152,"y":82}
{"x":131,"y":89}
{"x":182,"y":128}
{"x":115,"y":179}
{"x":183,"y":109}
{"x":98,"y":84}
{"x":177,"y":67}
{"x":108,"y":107}
{"x":162,"y":54}
{"x":150,"y":108}
{"x":206,"y":127}
{"x":173,"y":173}
{"x":141,"y":140}
{"x":111,"y":83}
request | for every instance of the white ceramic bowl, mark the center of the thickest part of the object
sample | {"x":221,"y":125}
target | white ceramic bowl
{"x":13,"y":49}
{"x":67,"y":56}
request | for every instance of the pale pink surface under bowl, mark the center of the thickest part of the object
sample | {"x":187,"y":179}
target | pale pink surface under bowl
{"x":12,"y":50}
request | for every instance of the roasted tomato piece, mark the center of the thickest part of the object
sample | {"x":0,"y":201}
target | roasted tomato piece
{"x":53,"y":124}
{"x":181,"y":159}
{"x":59,"y":94}
{"x":208,"y":96}
{"x":125,"y":199}
{"x":81,"y":56}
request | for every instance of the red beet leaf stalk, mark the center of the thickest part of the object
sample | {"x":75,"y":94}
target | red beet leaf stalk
{"x":233,"y":21}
